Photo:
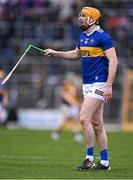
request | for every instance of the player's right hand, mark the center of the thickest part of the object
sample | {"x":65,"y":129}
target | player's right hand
{"x":49,"y":52}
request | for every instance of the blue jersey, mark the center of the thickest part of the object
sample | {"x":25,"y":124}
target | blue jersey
{"x":94,"y":61}
{"x":2,"y":90}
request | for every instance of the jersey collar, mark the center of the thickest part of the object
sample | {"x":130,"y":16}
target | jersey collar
{"x":95,"y":29}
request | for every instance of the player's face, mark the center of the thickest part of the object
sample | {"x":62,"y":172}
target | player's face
{"x":83,"y":21}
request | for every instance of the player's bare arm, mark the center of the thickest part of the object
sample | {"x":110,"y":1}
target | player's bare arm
{"x":71,"y":55}
{"x":113,"y":63}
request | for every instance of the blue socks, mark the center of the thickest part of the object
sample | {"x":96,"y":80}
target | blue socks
{"x":104,"y":157}
{"x":90,"y":153}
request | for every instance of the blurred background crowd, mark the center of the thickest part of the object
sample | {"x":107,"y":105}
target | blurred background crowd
{"x":54,"y":24}
{"x":51,"y":23}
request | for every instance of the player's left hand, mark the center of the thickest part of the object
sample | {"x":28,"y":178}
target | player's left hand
{"x":107,"y":93}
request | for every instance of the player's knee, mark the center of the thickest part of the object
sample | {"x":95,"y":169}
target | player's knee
{"x":97,"y":127}
{"x":96,"y":117}
{"x":82,"y":119}
{"x":97,"y":123}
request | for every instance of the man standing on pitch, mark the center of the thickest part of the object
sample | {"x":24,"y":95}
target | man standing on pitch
{"x":99,"y":65}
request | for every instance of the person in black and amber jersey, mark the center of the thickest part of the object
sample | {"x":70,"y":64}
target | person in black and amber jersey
{"x":70,"y":107}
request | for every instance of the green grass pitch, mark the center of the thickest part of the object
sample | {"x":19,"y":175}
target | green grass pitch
{"x":34,"y":155}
